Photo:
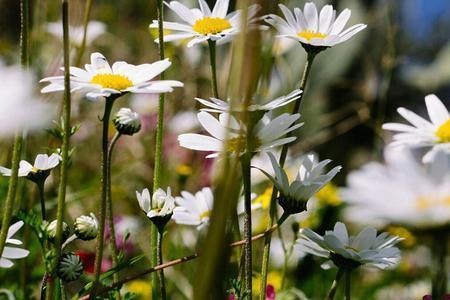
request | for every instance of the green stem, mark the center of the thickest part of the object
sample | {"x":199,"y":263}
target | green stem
{"x":212,"y":57}
{"x":158,"y":152}
{"x":282,"y":160}
{"x":109,"y":208}
{"x":82,"y":47}
{"x":109,"y":102}
{"x":348,"y":281}
{"x":245,"y":161}
{"x":40,"y":186}
{"x":162,"y":284}
{"x":335,"y":284}
{"x":439,"y":261}
{"x":64,"y":147}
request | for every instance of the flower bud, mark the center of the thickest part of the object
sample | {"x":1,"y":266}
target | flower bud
{"x":51,"y":231}
{"x":86,"y":227}
{"x":127,"y":121}
{"x":70,"y":267}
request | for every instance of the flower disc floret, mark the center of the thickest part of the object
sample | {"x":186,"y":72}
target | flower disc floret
{"x":209,"y":25}
{"x":443,"y":132}
{"x":112,"y":81}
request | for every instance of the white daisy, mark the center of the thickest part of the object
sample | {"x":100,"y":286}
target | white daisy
{"x":402,"y":191}
{"x":42,"y":163}
{"x":10,"y":253}
{"x":309,"y":180}
{"x":220,"y":106}
{"x":202,"y":24}
{"x":160,"y":204}
{"x":423,"y":133}
{"x":195,"y":209}
{"x":342,"y":250}
{"x":19,"y":109}
{"x":99,"y":79}
{"x":267,"y":134}
{"x":94,"y":30}
{"x":313,"y":29}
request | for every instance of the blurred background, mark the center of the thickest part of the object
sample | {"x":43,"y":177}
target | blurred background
{"x":403,"y":55}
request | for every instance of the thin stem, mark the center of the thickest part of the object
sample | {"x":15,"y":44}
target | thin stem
{"x":335,"y":284}
{"x":439,"y":267}
{"x":82,"y":47}
{"x":282,"y":160}
{"x":245,"y":161}
{"x":40,"y":186}
{"x":65,"y":144}
{"x":158,"y":151}
{"x":212,"y":58}
{"x":109,"y":208}
{"x":348,"y":280}
{"x":162,"y":284}
{"x":109,"y":102}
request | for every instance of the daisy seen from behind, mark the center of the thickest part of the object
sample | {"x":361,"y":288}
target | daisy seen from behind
{"x":194,"y":209}
{"x":42,"y":164}
{"x":10,"y":253}
{"x":434,"y":134}
{"x":99,"y":79}
{"x":204,"y":24}
{"x":228,"y":135}
{"x":313,"y":29}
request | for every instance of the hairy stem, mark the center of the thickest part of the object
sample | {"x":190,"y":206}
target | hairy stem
{"x":40,"y":186}
{"x":162,"y":284}
{"x":64,"y":147}
{"x":82,"y":46}
{"x":245,"y":161}
{"x":283,"y":155}
{"x":109,"y":102}
{"x":440,"y":265}
{"x":335,"y":284}
{"x":212,"y":58}
{"x":158,"y":152}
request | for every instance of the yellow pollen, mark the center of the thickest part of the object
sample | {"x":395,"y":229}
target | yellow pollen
{"x":443,"y":132}
{"x":210,"y":25}
{"x":204,"y":215}
{"x":112,"y":81}
{"x":308,"y":35}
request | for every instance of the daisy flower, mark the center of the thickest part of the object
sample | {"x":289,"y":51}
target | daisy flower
{"x":42,"y":166}
{"x":220,"y":106}
{"x":10,"y":253}
{"x":158,"y":207}
{"x":204,"y":24}
{"x":309,"y":180}
{"x":423,"y":133}
{"x":228,"y":135}
{"x":94,"y":30}
{"x":99,"y":79}
{"x":312,"y":29}
{"x":401,"y":191}
{"x":195,"y":209}
{"x":367,"y":248}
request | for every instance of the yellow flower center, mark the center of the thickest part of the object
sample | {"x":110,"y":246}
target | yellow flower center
{"x":210,"y":25}
{"x":308,"y":35}
{"x":443,"y":132}
{"x":34,"y":170}
{"x":238,"y":144}
{"x":112,"y":81}
{"x":205,"y":214}
{"x":424,"y":203}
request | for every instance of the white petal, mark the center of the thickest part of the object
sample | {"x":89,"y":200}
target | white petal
{"x":436,"y":110}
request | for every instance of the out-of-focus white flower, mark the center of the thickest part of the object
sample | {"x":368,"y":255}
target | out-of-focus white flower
{"x":310,"y":179}
{"x":94,"y":30}
{"x":10,"y":253}
{"x":267,"y":134}
{"x":127,"y":121}
{"x":423,"y":133}
{"x":414,"y":290}
{"x":19,"y":109}
{"x":158,"y":207}
{"x":402,"y":191}
{"x":183,"y":122}
{"x":99,"y":79}
{"x":202,"y":24}
{"x":313,"y":29}
{"x":220,"y":106}
{"x":195,"y":209}
{"x":42,"y":163}
{"x":344,"y":251}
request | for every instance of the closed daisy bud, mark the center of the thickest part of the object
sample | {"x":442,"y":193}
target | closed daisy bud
{"x":51,"y":231}
{"x":70,"y":267}
{"x":86,"y":227}
{"x":127,"y":121}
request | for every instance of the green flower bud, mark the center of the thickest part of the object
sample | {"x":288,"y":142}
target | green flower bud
{"x":51,"y":231}
{"x":86,"y":227}
{"x":127,"y":121}
{"x":70,"y":267}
